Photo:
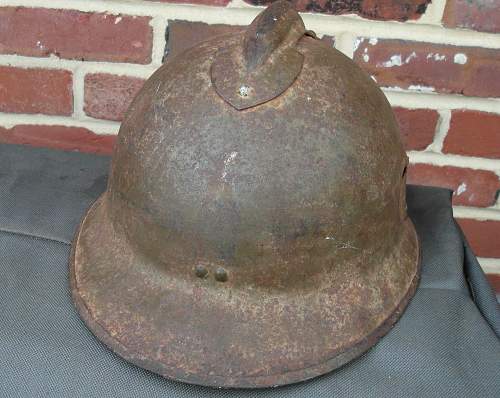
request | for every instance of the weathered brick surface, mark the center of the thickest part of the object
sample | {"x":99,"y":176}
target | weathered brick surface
{"x":483,"y":236}
{"x":471,"y":187}
{"x":108,"y":96}
{"x":482,"y":15}
{"x":417,"y":126}
{"x":182,"y":35}
{"x":471,"y":71}
{"x":201,"y":2}
{"x":399,"y":10}
{"x":75,"y":35}
{"x":47,"y":91}
{"x":473,"y":133}
{"x":58,"y":137}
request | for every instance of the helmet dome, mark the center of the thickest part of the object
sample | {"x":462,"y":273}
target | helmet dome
{"x":254,"y":229}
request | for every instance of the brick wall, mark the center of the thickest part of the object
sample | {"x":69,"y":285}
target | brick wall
{"x":69,"y":69}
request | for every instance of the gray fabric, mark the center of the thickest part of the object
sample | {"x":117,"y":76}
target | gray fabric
{"x":44,"y":193}
{"x":481,"y":291}
{"x":443,"y":346}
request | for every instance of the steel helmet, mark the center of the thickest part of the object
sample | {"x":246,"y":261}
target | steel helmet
{"x":254,"y":230}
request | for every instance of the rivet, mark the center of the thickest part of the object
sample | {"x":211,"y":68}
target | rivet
{"x":200,"y":271}
{"x":243,"y":91}
{"x":220,"y":274}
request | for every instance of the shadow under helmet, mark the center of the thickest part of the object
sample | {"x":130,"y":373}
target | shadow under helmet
{"x":254,"y":230}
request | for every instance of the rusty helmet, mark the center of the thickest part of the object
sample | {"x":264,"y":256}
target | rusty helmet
{"x":254,"y":229}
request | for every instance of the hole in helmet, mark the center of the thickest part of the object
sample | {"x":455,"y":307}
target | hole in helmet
{"x":220,"y":274}
{"x":200,"y":271}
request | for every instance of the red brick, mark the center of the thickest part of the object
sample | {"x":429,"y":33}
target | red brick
{"x":471,"y":187}
{"x":485,"y":77}
{"x":417,"y":126}
{"x":399,"y":10}
{"x":182,"y":35}
{"x":473,"y":133}
{"x":47,"y":91}
{"x":201,"y":2}
{"x":470,"y":71}
{"x":494,"y":280}
{"x":482,"y":15}
{"x":108,"y":96}
{"x":58,"y":137}
{"x":75,"y":35}
{"x":483,"y":236}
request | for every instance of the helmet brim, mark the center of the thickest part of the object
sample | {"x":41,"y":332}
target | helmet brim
{"x":230,"y":338}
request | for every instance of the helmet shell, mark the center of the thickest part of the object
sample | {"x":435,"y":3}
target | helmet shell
{"x":249,"y":247}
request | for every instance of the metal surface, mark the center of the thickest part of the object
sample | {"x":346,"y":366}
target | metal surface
{"x":250,"y":246}
{"x":264,"y":62}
